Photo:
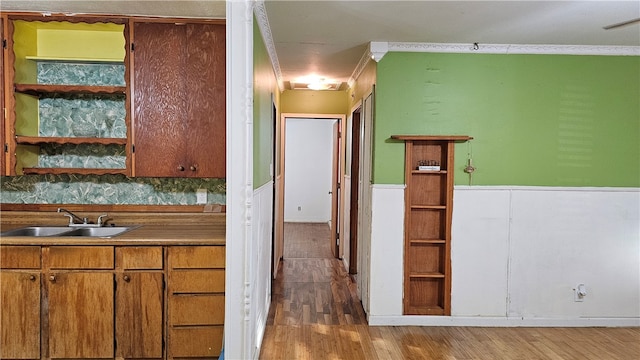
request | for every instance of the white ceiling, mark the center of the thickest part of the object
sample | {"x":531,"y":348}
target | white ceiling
{"x":329,"y":37}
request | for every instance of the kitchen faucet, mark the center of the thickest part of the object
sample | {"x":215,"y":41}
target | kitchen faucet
{"x":81,"y":221}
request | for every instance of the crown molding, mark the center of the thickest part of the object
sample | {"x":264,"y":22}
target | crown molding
{"x":263,"y":24}
{"x":515,"y":49}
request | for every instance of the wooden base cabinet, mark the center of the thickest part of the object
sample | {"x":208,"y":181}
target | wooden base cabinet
{"x":99,"y":302}
{"x":20,"y":302}
{"x":428,"y":210}
{"x":196,"y":301}
{"x":139,"y":302}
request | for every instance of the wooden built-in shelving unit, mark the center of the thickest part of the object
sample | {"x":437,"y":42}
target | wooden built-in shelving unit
{"x":427,"y":224}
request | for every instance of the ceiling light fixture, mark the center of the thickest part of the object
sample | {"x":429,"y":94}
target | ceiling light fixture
{"x":315,"y":82}
{"x":319,"y":86}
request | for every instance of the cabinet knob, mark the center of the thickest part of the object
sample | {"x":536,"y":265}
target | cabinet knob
{"x":180,"y":168}
{"x":126,"y":278}
{"x":192,"y":168}
{"x":32,"y":277}
{"x":52,"y":278}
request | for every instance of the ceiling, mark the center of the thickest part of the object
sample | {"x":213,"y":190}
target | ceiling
{"x":328,"y":38}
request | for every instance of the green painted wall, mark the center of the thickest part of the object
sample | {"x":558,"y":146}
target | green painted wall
{"x":315,"y":102}
{"x":540,"y":120}
{"x":264,"y":84}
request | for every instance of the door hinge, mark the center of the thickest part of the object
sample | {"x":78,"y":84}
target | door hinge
{"x":133,"y":148}
{"x":133,"y":47}
{"x":164,"y":284}
{"x":6,"y":147}
{"x":4,"y":43}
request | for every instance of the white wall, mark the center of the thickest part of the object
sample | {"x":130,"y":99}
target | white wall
{"x":517,"y":254}
{"x":308,"y":170}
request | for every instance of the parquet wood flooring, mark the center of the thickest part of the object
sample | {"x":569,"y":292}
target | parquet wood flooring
{"x":315,"y":315}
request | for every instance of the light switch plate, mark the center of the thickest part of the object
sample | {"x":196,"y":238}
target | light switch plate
{"x":201,"y":196}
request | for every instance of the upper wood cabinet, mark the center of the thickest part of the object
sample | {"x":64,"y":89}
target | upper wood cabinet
{"x":3,"y":143}
{"x":179,"y":75}
{"x":89,"y":94}
{"x":66,"y":84}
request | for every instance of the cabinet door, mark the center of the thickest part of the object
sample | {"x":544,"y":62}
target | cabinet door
{"x":179,"y":100}
{"x":81,"y":314}
{"x":139,"y":309}
{"x":2,"y":95}
{"x":20,"y":315}
{"x":205,"y":81}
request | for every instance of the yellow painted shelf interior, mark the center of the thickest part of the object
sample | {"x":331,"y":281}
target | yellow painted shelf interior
{"x":59,"y":40}
{"x":56,"y":41}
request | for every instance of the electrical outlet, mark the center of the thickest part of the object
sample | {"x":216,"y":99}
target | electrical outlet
{"x":579,"y":293}
{"x":201,"y":196}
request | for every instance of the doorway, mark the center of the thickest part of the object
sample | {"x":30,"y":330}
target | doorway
{"x":335,"y":150}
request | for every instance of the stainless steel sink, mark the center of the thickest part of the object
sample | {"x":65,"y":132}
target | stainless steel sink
{"x":106,"y":232}
{"x":37,"y":231}
{"x":40,"y":231}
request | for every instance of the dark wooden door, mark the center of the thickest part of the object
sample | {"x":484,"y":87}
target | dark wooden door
{"x":179,"y":100}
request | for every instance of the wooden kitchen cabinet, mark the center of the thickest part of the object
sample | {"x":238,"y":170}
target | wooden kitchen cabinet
{"x":104,"y":301}
{"x":80,"y":288}
{"x":3,"y":143}
{"x":65,"y":105}
{"x":179,"y":106}
{"x":20,"y":300}
{"x":148,"y":101}
{"x":196,"y":299}
{"x":139,"y":302}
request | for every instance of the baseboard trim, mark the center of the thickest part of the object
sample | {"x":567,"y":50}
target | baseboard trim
{"x":500,"y":321}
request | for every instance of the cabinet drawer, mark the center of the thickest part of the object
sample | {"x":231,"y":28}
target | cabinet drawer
{"x":134,"y":257}
{"x":197,"y":257}
{"x":201,"y":341}
{"x":81,"y":257}
{"x":196,"y":310}
{"x":20,"y":257}
{"x":196,"y":281}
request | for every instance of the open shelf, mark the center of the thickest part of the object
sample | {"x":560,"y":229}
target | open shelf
{"x":39,"y":89}
{"x":75,"y":59}
{"x":427,"y":228}
{"x":79,"y":171}
{"x":427,"y":241}
{"x":36,"y":140}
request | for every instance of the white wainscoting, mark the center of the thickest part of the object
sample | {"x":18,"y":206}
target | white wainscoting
{"x":518,"y":253}
{"x":260,"y":263}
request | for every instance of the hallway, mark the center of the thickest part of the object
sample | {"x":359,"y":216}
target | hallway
{"x":315,"y":315}
{"x":312,"y":287}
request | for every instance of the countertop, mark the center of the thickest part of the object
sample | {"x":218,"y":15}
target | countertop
{"x":144,"y":235}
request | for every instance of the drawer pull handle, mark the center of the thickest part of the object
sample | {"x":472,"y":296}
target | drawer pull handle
{"x":192,"y":168}
{"x":52,"y":278}
{"x":180,"y":168}
{"x":126,"y":278}
{"x":32,"y":277}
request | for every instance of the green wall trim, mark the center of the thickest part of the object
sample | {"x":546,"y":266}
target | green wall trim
{"x":542,"y":120}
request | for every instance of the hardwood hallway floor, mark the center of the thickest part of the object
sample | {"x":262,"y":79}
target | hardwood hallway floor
{"x":315,"y":314}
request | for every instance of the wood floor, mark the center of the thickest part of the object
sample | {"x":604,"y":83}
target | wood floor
{"x":315,"y":314}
